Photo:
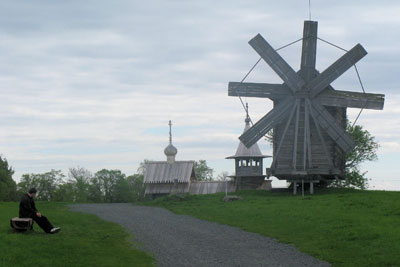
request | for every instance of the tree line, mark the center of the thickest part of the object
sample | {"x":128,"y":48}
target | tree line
{"x":80,"y":185}
{"x":104,"y":186}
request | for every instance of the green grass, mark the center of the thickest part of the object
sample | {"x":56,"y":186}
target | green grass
{"x":85,"y":240}
{"x":343,"y":227}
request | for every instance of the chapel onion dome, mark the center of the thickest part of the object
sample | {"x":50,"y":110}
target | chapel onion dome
{"x":170,"y":150}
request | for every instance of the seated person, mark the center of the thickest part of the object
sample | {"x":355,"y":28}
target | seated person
{"x":27,"y":209}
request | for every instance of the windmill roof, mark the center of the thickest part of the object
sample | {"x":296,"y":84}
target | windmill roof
{"x":164,"y":172}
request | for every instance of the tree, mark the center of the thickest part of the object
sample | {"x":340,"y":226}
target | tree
{"x":26,"y":182}
{"x":65,"y":192}
{"x":48,"y":183}
{"x":136,"y":183}
{"x":8,"y":187}
{"x":123,"y":191}
{"x":45,"y":183}
{"x":107,"y":180}
{"x":142,"y":166}
{"x":223,"y":176}
{"x":203,"y":172}
{"x":365,"y":150}
{"x":80,"y":179}
{"x":94,"y":191}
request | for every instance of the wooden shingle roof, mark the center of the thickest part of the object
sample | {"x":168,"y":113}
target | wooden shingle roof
{"x":164,"y":172}
{"x":243,"y":152}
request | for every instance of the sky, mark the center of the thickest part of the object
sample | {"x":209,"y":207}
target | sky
{"x":94,"y":83}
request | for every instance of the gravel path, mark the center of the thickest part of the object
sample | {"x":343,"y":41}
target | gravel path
{"x":179,"y":240}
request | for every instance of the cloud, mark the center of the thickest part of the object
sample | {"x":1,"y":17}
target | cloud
{"x":383,"y":125}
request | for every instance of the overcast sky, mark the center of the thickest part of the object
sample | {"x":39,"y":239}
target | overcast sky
{"x":94,"y":83}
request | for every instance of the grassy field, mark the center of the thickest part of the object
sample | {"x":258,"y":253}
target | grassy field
{"x":85,"y":240}
{"x":343,"y":227}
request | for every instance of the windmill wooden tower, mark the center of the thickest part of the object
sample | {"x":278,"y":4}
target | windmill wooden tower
{"x":309,"y":116}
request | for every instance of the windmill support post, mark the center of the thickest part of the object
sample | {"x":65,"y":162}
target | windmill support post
{"x":294,"y":187}
{"x":302,"y":182}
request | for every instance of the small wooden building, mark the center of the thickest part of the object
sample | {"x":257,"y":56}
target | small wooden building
{"x":163,"y":177}
{"x":171,"y":176}
{"x":249,"y":165}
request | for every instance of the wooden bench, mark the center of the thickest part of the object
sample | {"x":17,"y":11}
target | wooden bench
{"x":21,"y":224}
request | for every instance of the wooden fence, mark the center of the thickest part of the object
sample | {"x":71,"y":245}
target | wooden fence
{"x":211,"y":187}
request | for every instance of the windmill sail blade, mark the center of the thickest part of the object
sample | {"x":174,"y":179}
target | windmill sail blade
{"x":263,"y":90}
{"x":309,"y":50}
{"x":266,"y":123}
{"x":348,"y":99}
{"x":329,"y":125}
{"x":277,"y":63}
{"x":336,"y":69}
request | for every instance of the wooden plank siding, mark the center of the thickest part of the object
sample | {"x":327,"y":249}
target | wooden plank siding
{"x":211,"y":187}
{"x":286,"y":158}
{"x":195,"y":187}
{"x":167,"y":188}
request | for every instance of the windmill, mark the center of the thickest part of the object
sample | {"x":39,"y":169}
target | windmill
{"x":309,"y":116}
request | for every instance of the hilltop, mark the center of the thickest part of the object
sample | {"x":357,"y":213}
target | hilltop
{"x":342,"y":226}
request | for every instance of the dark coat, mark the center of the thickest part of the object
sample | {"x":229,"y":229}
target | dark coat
{"x":27,"y":207}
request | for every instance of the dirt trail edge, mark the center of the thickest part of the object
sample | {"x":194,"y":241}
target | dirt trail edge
{"x":180,"y":240}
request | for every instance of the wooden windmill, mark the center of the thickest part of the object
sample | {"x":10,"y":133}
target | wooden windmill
{"x":309,"y":116}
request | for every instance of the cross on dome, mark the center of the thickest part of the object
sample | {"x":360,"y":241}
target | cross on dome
{"x":170,"y":151}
